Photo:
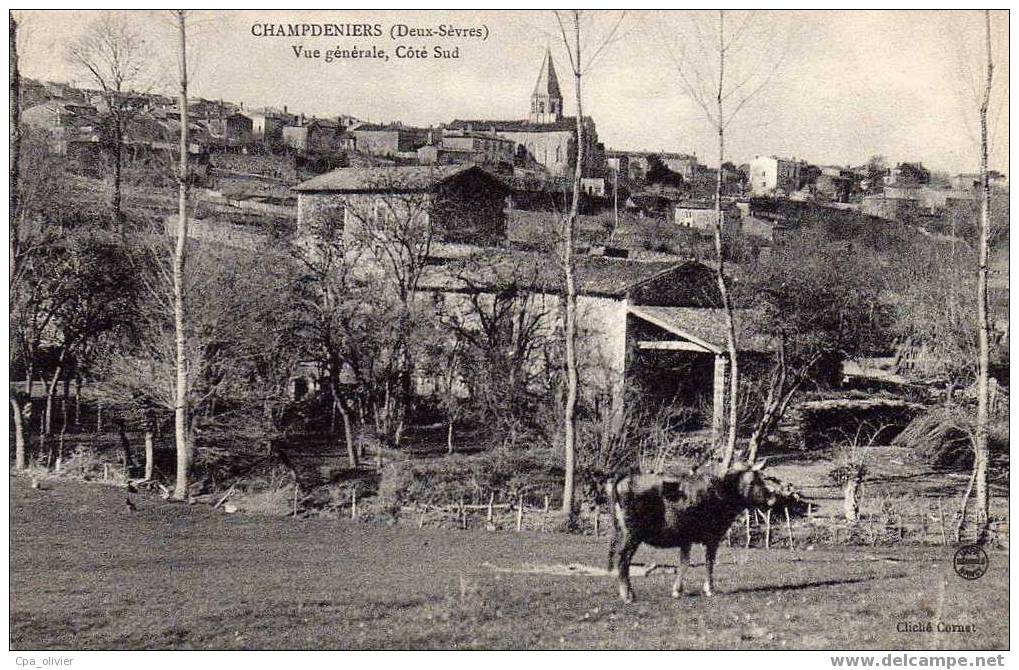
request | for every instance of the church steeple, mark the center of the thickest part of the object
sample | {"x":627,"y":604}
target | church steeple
{"x":547,"y":100}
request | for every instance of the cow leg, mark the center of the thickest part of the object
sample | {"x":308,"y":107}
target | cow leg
{"x":684,"y":563}
{"x":629,"y":548}
{"x":710,"y":552}
{"x":613,"y":549}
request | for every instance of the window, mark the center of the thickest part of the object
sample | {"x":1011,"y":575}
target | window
{"x":541,"y":107}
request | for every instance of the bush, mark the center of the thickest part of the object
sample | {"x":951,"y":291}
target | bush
{"x":87,"y":464}
{"x":506,"y":472}
{"x":270,"y":502}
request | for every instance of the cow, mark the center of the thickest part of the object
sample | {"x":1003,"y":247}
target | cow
{"x":679,"y":511}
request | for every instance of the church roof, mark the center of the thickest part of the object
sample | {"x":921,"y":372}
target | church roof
{"x":548,"y":83}
{"x":519,"y":126}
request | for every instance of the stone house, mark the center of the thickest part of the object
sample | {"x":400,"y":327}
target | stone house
{"x":231,"y":130}
{"x":702,"y":216}
{"x":389,"y":140}
{"x":771,"y":174}
{"x":314,"y":136}
{"x":267,"y":125}
{"x":458,"y":203}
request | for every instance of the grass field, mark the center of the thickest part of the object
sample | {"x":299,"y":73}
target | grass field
{"x":87,"y":572}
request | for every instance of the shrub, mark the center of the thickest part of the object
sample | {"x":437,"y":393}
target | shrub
{"x":86,"y":463}
{"x":506,"y":472}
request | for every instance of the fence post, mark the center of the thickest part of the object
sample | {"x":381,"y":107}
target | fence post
{"x":767,"y":529}
{"x":747,"y":519}
{"x":421,"y":517}
{"x":463,"y":514}
{"x":295,"y":498}
{"x":597,"y":518}
{"x":353,"y":503}
{"x":544,"y":519}
{"x":520,"y":513}
{"x":491,"y":501}
{"x":941,"y":520}
{"x":788,"y":528}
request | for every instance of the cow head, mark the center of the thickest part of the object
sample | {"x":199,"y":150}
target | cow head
{"x":753,"y":487}
{"x":788,"y":497}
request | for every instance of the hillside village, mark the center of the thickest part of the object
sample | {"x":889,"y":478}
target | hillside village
{"x":493,"y":194}
{"x":276,"y":148}
{"x":413,"y":345}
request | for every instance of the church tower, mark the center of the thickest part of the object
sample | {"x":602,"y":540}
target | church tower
{"x":547,"y":100}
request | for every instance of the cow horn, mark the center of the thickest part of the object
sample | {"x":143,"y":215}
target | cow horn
{"x":759,"y":465}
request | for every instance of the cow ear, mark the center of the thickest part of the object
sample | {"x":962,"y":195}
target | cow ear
{"x":759,"y":465}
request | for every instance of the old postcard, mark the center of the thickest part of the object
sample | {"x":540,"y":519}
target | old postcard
{"x":515,"y":330}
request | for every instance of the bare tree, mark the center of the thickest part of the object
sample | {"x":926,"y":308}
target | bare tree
{"x":703,"y":64}
{"x":579,"y":67}
{"x":112,"y":56}
{"x":981,"y":454}
{"x":180,"y":414}
{"x":15,"y":151}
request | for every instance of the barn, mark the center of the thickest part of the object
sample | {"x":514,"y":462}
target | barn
{"x":648,"y":327}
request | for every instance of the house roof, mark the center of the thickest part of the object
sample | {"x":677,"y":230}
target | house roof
{"x":704,"y":326}
{"x":391,"y":127}
{"x":399,"y":179}
{"x":495,"y":269}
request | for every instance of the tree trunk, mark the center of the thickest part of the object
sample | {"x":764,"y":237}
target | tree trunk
{"x":19,"y":432}
{"x":348,"y":430}
{"x":850,"y":498}
{"x":77,"y":400}
{"x":572,"y":376}
{"x":63,"y":434}
{"x":729,"y":447}
{"x":51,"y":391}
{"x":449,"y":436}
{"x":15,"y":134}
{"x":981,"y":455}
{"x":180,"y":414}
{"x":149,"y":453}
{"x":125,"y":448}
{"x":118,"y":166}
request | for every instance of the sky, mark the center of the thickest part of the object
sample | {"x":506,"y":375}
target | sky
{"x":831,"y":87}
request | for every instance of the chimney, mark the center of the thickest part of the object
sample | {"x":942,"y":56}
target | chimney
{"x":284,"y":109}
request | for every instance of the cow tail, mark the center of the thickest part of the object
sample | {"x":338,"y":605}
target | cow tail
{"x":615,"y":509}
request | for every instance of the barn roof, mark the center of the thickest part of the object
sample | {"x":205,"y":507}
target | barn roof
{"x":494,"y":269}
{"x":402,"y":178}
{"x":706,"y":326}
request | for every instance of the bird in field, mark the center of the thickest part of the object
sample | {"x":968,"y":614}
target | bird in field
{"x":130,"y":505}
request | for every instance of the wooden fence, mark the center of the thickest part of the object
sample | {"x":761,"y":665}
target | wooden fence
{"x":769,"y":529}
